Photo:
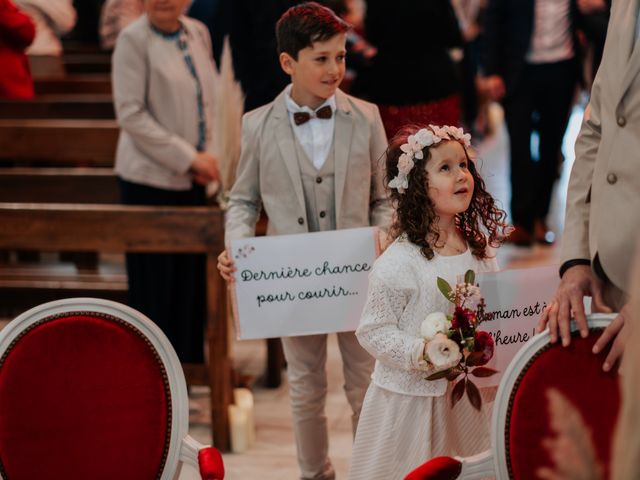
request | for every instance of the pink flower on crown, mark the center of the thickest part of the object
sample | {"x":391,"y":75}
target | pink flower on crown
{"x":405,"y":164}
{"x":440,"y":132}
{"x":458,"y":134}
{"x":412,"y":147}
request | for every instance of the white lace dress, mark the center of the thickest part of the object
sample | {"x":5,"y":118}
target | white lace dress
{"x":405,"y":419}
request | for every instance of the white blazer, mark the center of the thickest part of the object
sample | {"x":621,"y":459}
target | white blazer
{"x":156,"y":103}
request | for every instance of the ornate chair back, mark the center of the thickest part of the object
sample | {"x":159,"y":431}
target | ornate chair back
{"x":90,"y":388}
{"x":521,"y":418}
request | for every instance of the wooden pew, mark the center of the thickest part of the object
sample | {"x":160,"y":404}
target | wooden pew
{"x":60,"y":106}
{"x":81,"y":83}
{"x":86,"y":186}
{"x":58,"y":185}
{"x":88,"y":62}
{"x":72,"y":47}
{"x":121,"y":229}
{"x":58,"y":142}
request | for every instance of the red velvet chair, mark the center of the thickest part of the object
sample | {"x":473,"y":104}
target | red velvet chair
{"x":92,"y":389}
{"x":520,"y":415}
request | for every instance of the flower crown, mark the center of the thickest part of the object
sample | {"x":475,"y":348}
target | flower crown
{"x":413,"y":149}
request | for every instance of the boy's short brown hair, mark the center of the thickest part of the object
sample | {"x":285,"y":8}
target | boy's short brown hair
{"x":302,"y":25}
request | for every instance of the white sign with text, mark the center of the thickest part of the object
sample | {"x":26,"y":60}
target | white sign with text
{"x":515,"y":298}
{"x":304,"y":284}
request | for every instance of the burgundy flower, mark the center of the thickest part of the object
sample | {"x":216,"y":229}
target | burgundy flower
{"x":483,"y":343}
{"x":463,"y":319}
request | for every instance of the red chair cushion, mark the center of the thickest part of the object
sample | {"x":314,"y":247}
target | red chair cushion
{"x":438,"y":468}
{"x":83,"y":397}
{"x":577,"y":374}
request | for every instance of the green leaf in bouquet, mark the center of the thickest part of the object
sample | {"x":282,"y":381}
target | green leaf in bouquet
{"x":482,"y":372}
{"x":469,"y":343}
{"x":474,"y":395}
{"x":470,"y":277}
{"x":445,"y":288}
{"x":458,"y":392}
{"x":453,"y":374}
{"x":439,"y":375}
{"x":473,"y":359}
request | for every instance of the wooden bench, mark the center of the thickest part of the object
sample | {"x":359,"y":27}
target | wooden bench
{"x":85,"y":83}
{"x":84,"y":186}
{"x":60,"y":106}
{"x":58,"y":185}
{"x":121,"y":229}
{"x":87,"y":62}
{"x":58,"y":142}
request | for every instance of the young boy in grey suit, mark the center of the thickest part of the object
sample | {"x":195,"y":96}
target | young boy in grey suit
{"x":311,"y":159}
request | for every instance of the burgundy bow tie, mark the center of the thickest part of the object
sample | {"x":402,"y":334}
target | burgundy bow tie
{"x":302,"y":117}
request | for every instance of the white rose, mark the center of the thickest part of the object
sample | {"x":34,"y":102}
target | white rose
{"x":435,"y":322}
{"x":424,"y":137}
{"x":442,"y":352}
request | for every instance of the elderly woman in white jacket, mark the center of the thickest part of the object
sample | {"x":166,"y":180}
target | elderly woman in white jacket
{"x":163,"y":81}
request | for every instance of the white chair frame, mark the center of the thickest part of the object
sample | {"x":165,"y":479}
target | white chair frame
{"x":182,"y":447}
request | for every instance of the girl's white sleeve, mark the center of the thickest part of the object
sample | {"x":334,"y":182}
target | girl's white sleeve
{"x":380,"y":332}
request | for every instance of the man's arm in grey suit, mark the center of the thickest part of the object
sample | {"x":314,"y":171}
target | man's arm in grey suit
{"x":578,"y":280}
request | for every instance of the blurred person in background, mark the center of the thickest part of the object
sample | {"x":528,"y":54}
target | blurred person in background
{"x":17,"y":31}
{"x":163,"y":82}
{"x":86,"y":30}
{"x":114,"y":17}
{"x":360,"y":52}
{"x":53,"y":19}
{"x":531,"y":63}
{"x":413,"y":78}
{"x":595,"y":18}
{"x":252,"y":36}
{"x":470,"y":15}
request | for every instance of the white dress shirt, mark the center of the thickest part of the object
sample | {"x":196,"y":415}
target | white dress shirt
{"x":316,"y":135}
{"x":551,"y":40}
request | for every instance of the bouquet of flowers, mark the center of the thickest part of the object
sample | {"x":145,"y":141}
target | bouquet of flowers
{"x":454,"y":345}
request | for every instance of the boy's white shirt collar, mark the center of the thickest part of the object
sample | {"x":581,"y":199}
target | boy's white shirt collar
{"x":316,"y":135}
{"x":293,"y":107}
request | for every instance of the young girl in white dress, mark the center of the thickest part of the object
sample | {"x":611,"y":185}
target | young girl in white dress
{"x":446,"y":223}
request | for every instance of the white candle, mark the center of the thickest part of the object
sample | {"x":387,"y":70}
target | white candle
{"x":243,"y":398}
{"x":239,"y":430}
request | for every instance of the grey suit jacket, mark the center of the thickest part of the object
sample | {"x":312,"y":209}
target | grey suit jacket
{"x":603,"y":200}
{"x":156,"y":103}
{"x":268,"y":174}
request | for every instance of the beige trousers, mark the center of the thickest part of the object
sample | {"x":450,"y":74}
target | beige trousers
{"x":306,"y":368}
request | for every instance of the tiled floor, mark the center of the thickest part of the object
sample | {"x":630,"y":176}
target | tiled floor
{"x":273,"y":455}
